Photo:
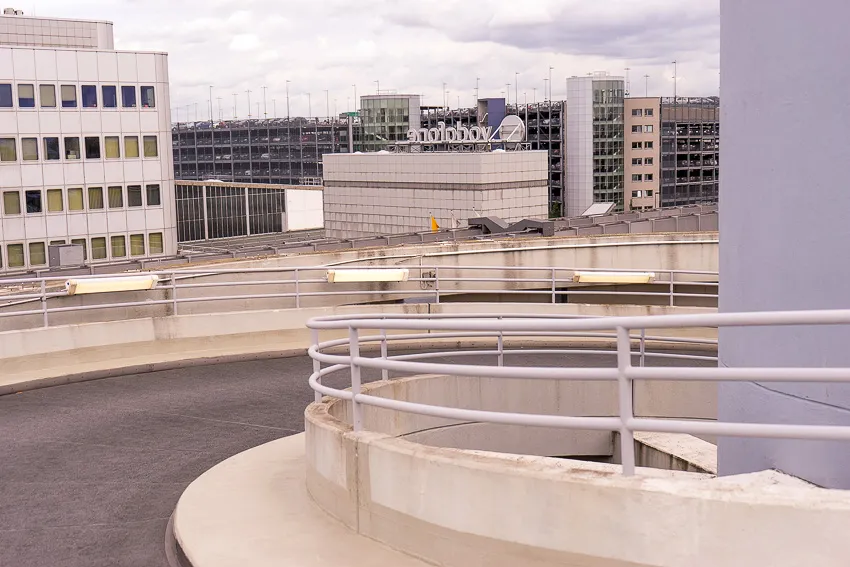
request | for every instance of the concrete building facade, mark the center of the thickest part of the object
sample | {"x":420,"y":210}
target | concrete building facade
{"x":642,"y":163}
{"x":393,"y":193}
{"x":85,"y":142}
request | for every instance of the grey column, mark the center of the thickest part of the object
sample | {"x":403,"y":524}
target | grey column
{"x":785,"y":222}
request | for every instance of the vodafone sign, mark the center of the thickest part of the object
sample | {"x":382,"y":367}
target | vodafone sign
{"x":512,"y":129}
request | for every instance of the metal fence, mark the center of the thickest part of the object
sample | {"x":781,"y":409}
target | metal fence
{"x":631,"y":340}
{"x":427,"y":283}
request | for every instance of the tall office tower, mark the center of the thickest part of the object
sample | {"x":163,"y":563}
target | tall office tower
{"x":690,"y":150}
{"x":85,"y":141}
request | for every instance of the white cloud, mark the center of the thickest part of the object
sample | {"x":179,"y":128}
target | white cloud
{"x":244,"y":42}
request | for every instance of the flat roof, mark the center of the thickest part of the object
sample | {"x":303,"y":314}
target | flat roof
{"x":46,"y":18}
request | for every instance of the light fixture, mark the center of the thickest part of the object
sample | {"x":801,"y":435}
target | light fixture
{"x":105,"y":285}
{"x":614,"y":277}
{"x":369,"y":275}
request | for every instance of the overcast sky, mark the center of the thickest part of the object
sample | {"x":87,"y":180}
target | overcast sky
{"x":410,"y":46}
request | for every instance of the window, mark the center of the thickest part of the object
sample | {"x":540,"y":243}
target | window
{"x":69,"y":96}
{"x":637,"y":161}
{"x":11,"y":203}
{"x":112,"y":147}
{"x":637,"y":193}
{"x":98,"y":248}
{"x":95,"y":198}
{"x":648,"y":145}
{"x":137,"y":245}
{"x":75,"y":199}
{"x":134,"y":195}
{"x":636,"y":177}
{"x":89,"y":96}
{"x":636,"y":129}
{"x":6,"y":98}
{"x":8,"y":151}
{"x":648,"y":161}
{"x":116,"y":197}
{"x":131,"y":146}
{"x":128,"y":97}
{"x":33,"y":201}
{"x":55,"y":242}
{"x":148,"y":98}
{"x":92,"y":147}
{"x":15,"y":255}
{"x":637,"y":145}
{"x":648,"y":112}
{"x":26,"y":96}
{"x":110,"y":96}
{"x":51,"y":148}
{"x":155,"y":243}
{"x":150,"y":146}
{"x":648,"y":177}
{"x":37,"y":256}
{"x":119,"y":246}
{"x":154,"y":199}
{"x":54,"y":201}
{"x":47,"y":94}
{"x":29,"y":149}
{"x":647,"y":129}
{"x":81,"y":242}
{"x":637,"y":112}
{"x":72,"y":148}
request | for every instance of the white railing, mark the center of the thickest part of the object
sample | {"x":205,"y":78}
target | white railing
{"x":429,"y":283}
{"x":630,"y":333}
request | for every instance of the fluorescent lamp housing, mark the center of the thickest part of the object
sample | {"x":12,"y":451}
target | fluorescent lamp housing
{"x":614,"y":277}
{"x":369,"y":275}
{"x":106,"y":285}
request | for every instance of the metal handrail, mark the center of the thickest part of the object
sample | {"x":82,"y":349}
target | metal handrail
{"x":625,"y":373}
{"x":433,"y":282}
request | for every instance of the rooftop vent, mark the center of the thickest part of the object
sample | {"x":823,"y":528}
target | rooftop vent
{"x":12,"y":12}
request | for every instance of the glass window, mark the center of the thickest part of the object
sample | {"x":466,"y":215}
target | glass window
{"x":11,"y":203}
{"x":37,"y":256}
{"x":116,"y":197}
{"x":112,"y":147}
{"x":128,"y":97}
{"x":15,"y":255}
{"x":69,"y":96}
{"x":137,"y":245}
{"x":648,"y":161}
{"x":29,"y":149}
{"x":648,"y":145}
{"x":637,"y":145}
{"x":637,"y":112}
{"x":75,"y":199}
{"x":6,"y":97}
{"x":155,"y":243}
{"x":98,"y":248}
{"x":95,"y":198}
{"x":647,"y":177}
{"x":33,"y":200}
{"x":647,"y":128}
{"x":636,"y":128}
{"x":51,"y":148}
{"x":636,"y":177}
{"x":89,"y":96}
{"x":110,"y":96}
{"x":54,"y":201}
{"x":26,"y":96}
{"x":131,"y":146}
{"x":648,"y":112}
{"x":8,"y":150}
{"x":154,"y":199}
{"x":150,"y":146}
{"x":134,"y":195}
{"x":72,"y":148}
{"x":119,"y":246}
{"x":637,"y":161}
{"x":92,"y":147}
{"x":47,"y":93}
{"x":81,"y":242}
{"x":148,"y":98}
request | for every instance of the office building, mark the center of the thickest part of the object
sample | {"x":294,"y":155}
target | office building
{"x":594,"y":142}
{"x":386,"y":118}
{"x":642,"y":179}
{"x":84,"y":140}
{"x":690,"y":150}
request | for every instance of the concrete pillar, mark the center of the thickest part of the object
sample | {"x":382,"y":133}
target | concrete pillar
{"x":785,"y":235}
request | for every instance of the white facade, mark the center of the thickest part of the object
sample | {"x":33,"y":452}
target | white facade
{"x":85,"y":153}
{"x":578,"y":195}
{"x":387,"y":193}
{"x":55,"y":32}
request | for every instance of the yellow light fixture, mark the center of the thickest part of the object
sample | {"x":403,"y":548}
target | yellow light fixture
{"x":614,"y":277}
{"x":105,"y":285}
{"x":369,"y":275}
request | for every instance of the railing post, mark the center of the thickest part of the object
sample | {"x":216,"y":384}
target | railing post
{"x":553,"y":286}
{"x":672,"y":303}
{"x":297,"y":291}
{"x":385,"y":374}
{"x":44,"y":320}
{"x":437,"y":282}
{"x":173,"y":294}
{"x":317,"y":365}
{"x":642,"y":347}
{"x":354,"y":352}
{"x":627,"y":438}
{"x":501,"y":347}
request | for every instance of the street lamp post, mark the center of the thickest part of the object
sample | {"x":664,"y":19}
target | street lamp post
{"x":327,"y":104}
{"x":516,"y":89}
{"x":235,"y":113}
{"x":265,"y":109}
{"x":248,"y":92}
{"x":287,"y":99}
{"x":550,"y":82}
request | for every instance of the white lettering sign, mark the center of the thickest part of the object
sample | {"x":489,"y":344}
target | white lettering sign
{"x":450,"y":135}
